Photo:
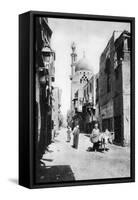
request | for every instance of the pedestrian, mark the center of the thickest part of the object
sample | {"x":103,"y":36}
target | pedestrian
{"x":72,"y":124}
{"x":68,"y":133}
{"x":103,"y":138}
{"x":76,"y":136}
{"x":107,"y":135}
{"x":94,"y":137}
{"x":53,"y":130}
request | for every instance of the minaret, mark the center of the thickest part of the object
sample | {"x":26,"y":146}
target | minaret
{"x":73,"y":62}
{"x":73,"y":58}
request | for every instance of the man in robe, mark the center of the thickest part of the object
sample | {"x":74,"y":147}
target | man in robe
{"x":68,"y":133}
{"x":94,"y":137}
{"x":75,"y":133}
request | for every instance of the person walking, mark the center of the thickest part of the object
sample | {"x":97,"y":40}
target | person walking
{"x":94,"y":137}
{"x":68,"y":134}
{"x":76,"y":136}
{"x":53,"y":131}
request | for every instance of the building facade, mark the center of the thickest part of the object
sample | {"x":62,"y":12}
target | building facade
{"x":44,"y":67}
{"x":90,"y":104}
{"x":81,"y":73}
{"x":56,"y":104}
{"x":114,"y":87}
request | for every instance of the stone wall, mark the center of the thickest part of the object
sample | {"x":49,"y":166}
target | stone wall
{"x":119,"y":94}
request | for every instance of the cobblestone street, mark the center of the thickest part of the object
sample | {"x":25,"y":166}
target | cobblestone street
{"x":64,"y":163}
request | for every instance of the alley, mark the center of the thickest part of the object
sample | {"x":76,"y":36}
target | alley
{"x":64,"y":163}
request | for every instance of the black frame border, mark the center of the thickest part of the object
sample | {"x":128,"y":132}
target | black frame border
{"x":32,"y":15}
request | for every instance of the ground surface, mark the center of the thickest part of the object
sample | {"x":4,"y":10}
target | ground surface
{"x":64,"y":163}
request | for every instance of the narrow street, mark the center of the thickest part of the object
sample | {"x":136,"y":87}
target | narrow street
{"x":64,"y":163}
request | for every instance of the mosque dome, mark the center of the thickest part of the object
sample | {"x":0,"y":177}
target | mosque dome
{"x":83,"y":65}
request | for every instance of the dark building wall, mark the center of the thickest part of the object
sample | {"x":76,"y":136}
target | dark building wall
{"x":106,"y":86}
{"x":114,"y":99}
{"x":43,"y":85}
{"x":56,"y":104}
{"x":118,"y":105}
{"x":126,"y":96}
{"x":122,"y":89}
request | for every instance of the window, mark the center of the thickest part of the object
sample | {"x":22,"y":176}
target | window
{"x":97,"y":84}
{"x":119,"y":50}
{"x":90,"y":87}
{"x":84,"y":79}
{"x":117,"y":73}
{"x":108,"y":73}
{"x":108,"y":84}
{"x":129,"y":44}
{"x":97,"y":89}
{"x":87,"y":90}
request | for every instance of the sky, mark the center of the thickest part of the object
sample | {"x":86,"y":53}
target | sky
{"x":89,"y":36}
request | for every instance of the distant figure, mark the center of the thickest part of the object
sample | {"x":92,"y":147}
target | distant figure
{"x":104,"y":138}
{"x":109,"y":136}
{"x":107,"y":132}
{"x":72,"y":124}
{"x":76,"y":136}
{"x":53,"y":131}
{"x":68,"y":133}
{"x":94,"y":137}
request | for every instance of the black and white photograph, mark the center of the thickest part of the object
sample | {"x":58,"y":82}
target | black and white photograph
{"x":82,"y":99}
{"x":68,"y":93}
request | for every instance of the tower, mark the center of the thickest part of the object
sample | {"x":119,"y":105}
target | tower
{"x":73,"y":58}
{"x":73,"y":62}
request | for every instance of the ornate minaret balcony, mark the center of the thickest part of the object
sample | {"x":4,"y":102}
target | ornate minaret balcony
{"x":73,"y":58}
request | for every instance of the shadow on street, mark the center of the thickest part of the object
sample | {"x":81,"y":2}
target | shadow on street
{"x":57,"y":173}
{"x":101,"y":150}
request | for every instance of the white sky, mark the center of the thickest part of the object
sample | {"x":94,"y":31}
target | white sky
{"x":89,"y":36}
